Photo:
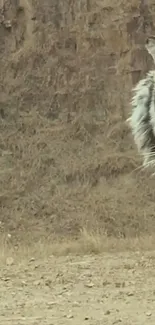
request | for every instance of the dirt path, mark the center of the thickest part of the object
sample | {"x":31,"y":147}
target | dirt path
{"x":107,"y":289}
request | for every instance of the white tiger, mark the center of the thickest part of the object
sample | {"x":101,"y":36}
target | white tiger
{"x":142,"y":120}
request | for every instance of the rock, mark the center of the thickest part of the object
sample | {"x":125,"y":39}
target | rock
{"x":50,"y":304}
{"x":89,"y":285}
{"x":70,"y":316}
{"x":6,"y":279}
{"x":32,"y":259}
{"x":107,"y":312}
{"x":148,"y":313}
{"x":33,"y":18}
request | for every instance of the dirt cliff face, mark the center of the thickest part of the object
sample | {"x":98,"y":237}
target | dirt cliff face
{"x":67,"y":160}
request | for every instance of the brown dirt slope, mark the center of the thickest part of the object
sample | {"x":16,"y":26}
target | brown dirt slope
{"x":67,"y":160}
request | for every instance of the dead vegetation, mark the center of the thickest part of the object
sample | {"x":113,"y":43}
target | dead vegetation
{"x":66,"y":158}
{"x":89,"y":242}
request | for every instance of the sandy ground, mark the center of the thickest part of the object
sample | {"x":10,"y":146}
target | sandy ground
{"x":106,"y":289}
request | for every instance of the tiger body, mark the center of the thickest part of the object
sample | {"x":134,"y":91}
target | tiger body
{"x":142,"y":120}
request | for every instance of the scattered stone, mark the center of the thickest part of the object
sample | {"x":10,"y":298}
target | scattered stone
{"x":9,"y":261}
{"x":148,"y":313}
{"x":89,"y":285}
{"x":65,"y":288}
{"x":6,"y":279}
{"x":33,"y":18}
{"x":70,"y":316}
{"x":50,"y":304}
{"x":32,"y":259}
{"x":86,"y":318}
{"x":130,"y":294}
{"x":107,"y":312}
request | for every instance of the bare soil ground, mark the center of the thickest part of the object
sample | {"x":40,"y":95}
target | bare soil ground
{"x":115,"y":288}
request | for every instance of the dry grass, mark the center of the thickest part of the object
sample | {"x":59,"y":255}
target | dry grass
{"x":87,"y":244}
{"x":66,"y":157}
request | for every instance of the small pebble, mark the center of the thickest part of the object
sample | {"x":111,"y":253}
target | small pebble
{"x":89,"y":285}
{"x":148,"y":313}
{"x":32,"y":259}
{"x":107,"y":312}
